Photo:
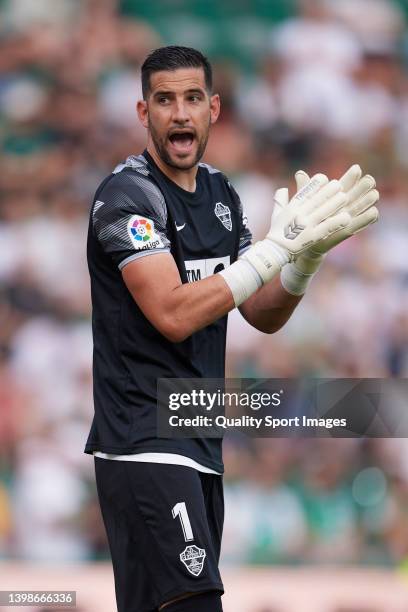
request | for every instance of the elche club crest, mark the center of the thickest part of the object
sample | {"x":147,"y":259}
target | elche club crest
{"x":224,"y":214}
{"x":193,"y":558}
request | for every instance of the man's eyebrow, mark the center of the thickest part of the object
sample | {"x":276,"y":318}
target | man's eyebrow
{"x":161,"y":92}
{"x":195,"y":90}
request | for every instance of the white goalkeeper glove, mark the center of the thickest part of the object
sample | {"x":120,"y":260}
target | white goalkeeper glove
{"x":362,"y":197}
{"x":312,"y":215}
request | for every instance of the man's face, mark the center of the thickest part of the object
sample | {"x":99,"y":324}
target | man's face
{"x":178,"y":113}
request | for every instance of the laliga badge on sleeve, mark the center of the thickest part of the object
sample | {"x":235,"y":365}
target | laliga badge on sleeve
{"x":142,"y":233}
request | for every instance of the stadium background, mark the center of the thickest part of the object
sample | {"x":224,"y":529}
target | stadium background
{"x":316,"y":84}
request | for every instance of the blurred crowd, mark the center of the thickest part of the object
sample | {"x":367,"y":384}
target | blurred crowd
{"x":327,"y":87}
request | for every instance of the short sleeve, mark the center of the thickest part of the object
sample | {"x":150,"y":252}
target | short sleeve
{"x":129,"y":218}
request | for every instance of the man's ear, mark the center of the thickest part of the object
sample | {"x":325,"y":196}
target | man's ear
{"x":215,"y":107}
{"x":142,"y":113}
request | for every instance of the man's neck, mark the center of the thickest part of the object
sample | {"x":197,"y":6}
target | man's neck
{"x":186,"y":179}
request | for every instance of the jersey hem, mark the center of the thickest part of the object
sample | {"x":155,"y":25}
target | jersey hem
{"x":162,"y":458}
{"x":207,"y":586}
{"x":90,"y":448}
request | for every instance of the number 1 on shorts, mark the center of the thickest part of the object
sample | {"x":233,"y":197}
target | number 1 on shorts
{"x":181,"y":511}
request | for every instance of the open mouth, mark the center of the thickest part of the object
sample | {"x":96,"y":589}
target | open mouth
{"x":182,"y":141}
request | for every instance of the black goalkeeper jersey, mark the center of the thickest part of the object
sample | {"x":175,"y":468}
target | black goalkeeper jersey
{"x":138,"y":212}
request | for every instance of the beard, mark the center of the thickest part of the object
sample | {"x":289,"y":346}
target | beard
{"x":162,"y":151}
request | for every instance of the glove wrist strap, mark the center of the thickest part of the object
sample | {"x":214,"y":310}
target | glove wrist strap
{"x":296,"y":277}
{"x":257,"y":266}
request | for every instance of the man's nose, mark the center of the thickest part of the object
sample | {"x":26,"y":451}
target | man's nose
{"x":180,"y":114}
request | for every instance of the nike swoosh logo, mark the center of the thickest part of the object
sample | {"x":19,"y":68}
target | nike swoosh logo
{"x":180,"y":227}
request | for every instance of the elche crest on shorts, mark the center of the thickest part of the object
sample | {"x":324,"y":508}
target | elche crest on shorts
{"x":224,"y":215}
{"x":193,"y":558}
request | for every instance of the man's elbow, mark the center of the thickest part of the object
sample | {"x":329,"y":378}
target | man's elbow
{"x":267,"y":324}
{"x":268,"y":329}
{"x":173,"y":330}
{"x":174,"y":336}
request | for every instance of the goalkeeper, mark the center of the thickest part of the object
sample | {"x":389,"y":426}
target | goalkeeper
{"x":169,"y":255}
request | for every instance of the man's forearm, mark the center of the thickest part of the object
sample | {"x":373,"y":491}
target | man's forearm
{"x":192,"y":306}
{"x":179,"y":310}
{"x":270,"y":307}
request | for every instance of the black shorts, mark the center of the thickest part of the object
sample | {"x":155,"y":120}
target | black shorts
{"x":164,"y":526}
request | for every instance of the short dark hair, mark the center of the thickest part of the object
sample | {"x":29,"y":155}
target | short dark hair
{"x":172,"y":58}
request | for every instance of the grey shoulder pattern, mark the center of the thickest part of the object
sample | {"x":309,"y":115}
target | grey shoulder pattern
{"x":135,"y":162}
{"x":209,"y":168}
